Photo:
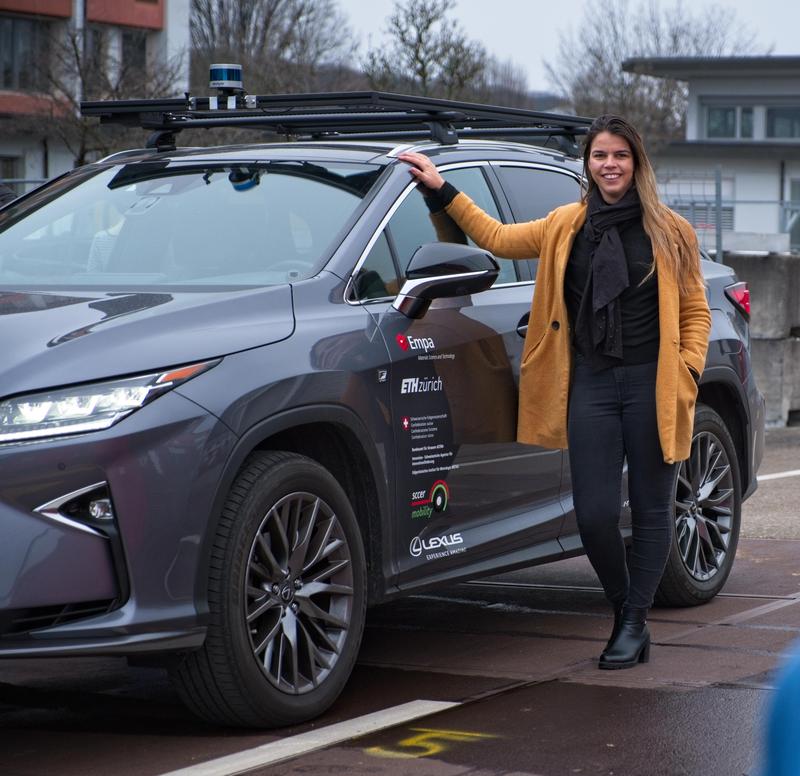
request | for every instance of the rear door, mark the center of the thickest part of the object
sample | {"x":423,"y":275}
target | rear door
{"x":533,"y":190}
{"x":466,"y":492}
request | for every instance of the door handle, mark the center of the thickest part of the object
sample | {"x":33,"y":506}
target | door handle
{"x":522,"y":326}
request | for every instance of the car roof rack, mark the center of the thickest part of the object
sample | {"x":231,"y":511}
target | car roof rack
{"x":358,"y":115}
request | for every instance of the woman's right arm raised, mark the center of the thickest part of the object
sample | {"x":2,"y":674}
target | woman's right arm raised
{"x":508,"y":241}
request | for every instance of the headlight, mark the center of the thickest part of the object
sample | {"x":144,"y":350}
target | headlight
{"x":87,"y":407}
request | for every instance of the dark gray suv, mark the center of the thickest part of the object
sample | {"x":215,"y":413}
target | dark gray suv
{"x":247,"y":393}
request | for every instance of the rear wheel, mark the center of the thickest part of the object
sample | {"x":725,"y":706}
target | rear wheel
{"x":286,"y":597}
{"x":708,"y":503}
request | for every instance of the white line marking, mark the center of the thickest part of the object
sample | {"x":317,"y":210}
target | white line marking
{"x":313,"y":740}
{"x":779,"y":475}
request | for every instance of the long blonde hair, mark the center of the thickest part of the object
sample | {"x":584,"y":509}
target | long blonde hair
{"x":660,"y":223}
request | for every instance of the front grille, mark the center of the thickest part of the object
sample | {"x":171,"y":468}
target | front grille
{"x":16,"y":621}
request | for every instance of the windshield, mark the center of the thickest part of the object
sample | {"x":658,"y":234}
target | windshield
{"x":156,"y":223}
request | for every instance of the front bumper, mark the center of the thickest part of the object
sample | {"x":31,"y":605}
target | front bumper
{"x":128,"y":585}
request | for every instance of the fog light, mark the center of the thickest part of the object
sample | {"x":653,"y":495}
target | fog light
{"x":80,"y":508}
{"x":101,"y":509}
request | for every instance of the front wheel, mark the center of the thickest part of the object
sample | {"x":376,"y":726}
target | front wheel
{"x":286,"y":597}
{"x":708,"y":506}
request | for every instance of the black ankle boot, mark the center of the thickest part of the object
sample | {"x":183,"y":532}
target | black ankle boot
{"x":615,"y":629}
{"x":632,"y":642}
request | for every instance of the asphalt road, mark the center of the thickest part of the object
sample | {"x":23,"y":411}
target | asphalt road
{"x":773,"y":511}
{"x":492,"y":677}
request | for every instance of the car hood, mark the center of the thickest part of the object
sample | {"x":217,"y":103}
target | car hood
{"x":54,"y":339}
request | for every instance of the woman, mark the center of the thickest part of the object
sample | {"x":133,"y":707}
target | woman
{"x":615,"y":347}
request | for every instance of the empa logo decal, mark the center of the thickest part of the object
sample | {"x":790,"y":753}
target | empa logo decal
{"x":415,"y":343}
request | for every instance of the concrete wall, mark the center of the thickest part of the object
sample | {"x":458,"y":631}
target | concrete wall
{"x":774,"y":282}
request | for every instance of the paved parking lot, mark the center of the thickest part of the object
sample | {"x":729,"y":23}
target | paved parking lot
{"x":772,"y":512}
{"x":496,"y":676}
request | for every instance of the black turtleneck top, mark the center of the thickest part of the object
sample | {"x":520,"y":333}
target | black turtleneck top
{"x":639,"y":302}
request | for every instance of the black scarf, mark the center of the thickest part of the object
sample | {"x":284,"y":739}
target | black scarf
{"x":608,"y":274}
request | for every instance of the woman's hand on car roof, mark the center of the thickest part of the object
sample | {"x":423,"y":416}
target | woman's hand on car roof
{"x":423,"y":169}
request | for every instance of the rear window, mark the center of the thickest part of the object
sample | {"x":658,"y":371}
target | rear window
{"x":152,"y":223}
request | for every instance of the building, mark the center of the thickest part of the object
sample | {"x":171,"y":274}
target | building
{"x":112,"y":33}
{"x":743,"y":140}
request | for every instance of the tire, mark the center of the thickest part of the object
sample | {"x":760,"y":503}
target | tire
{"x":286,"y":598}
{"x":708,"y":509}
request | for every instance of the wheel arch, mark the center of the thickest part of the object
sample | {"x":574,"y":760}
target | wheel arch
{"x":334,"y":437}
{"x":721,"y":390}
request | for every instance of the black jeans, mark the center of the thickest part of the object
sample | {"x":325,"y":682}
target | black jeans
{"x":612,"y":417}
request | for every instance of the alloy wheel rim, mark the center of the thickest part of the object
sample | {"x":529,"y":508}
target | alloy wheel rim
{"x":704,"y":505}
{"x":298,"y":596}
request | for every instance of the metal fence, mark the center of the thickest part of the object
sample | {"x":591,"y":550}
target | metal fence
{"x":706,"y":198}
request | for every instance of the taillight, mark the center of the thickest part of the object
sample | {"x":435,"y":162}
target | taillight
{"x":739,"y":294}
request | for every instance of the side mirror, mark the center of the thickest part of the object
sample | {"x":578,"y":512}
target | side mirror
{"x":438,"y":270}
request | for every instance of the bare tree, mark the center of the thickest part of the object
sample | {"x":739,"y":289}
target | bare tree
{"x":588,"y":68}
{"x":75,"y":70}
{"x":283,"y":45}
{"x":504,"y":83}
{"x":427,"y":53}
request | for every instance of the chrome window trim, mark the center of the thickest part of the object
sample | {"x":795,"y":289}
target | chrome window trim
{"x":540,"y":166}
{"x":385,"y":220}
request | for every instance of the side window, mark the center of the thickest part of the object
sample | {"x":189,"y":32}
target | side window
{"x":472,"y":182}
{"x":410,"y":227}
{"x":533,"y":193}
{"x":378,"y":276}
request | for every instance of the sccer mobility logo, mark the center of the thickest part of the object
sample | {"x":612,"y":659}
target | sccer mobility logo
{"x":426,"y":502}
{"x":415,"y":343}
{"x":436,"y":546}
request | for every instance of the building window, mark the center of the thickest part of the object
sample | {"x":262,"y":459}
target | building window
{"x":729,"y":122}
{"x":783,"y":122}
{"x":23,"y":53}
{"x":10,"y":167}
{"x":703,"y":215}
{"x":95,"y":47}
{"x":693,"y":194}
{"x":746,"y":126}
{"x":134,"y":50}
{"x":721,"y":122}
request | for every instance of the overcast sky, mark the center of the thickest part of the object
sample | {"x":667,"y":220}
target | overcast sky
{"x":527,"y":31}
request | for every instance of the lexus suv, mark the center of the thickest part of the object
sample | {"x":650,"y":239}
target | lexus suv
{"x":247,"y":393}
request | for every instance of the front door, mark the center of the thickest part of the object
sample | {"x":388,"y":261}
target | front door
{"x":466,"y":491}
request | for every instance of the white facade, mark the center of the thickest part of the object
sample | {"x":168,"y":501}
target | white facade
{"x":172,"y":44}
{"x":743,"y":132}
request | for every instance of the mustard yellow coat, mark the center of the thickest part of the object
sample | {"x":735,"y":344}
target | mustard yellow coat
{"x":684,"y":323}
